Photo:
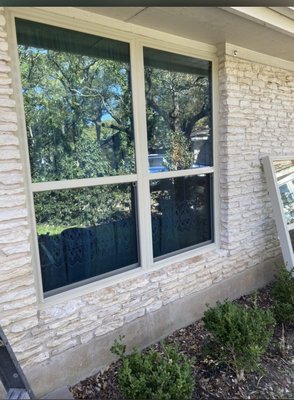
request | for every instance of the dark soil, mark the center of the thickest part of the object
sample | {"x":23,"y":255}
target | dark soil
{"x":216,"y":381}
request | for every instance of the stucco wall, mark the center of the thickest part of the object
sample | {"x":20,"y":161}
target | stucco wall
{"x":255,"y":117}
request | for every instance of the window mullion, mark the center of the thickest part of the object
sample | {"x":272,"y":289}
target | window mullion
{"x":139,"y":111}
{"x":180,"y":173}
{"x":79,"y":183}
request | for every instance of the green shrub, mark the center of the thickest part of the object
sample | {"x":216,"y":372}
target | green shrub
{"x":240,"y":335}
{"x":283,"y":294}
{"x":155,"y":375}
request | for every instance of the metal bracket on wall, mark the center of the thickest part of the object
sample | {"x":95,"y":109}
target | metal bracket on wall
{"x":11,"y":374}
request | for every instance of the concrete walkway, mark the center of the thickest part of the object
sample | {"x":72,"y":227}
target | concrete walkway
{"x":59,"y":394}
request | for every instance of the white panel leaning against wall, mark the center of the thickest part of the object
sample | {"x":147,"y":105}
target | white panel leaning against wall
{"x":279,"y":172}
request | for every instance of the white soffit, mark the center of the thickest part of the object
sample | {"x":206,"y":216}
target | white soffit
{"x":260,"y":29}
{"x":120,"y":13}
{"x":278,"y":18}
{"x":286,"y":11}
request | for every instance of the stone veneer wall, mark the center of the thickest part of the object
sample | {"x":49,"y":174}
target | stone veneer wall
{"x":256,"y":117}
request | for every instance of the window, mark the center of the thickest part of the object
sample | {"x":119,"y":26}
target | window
{"x":88,"y":191}
{"x":279,"y":173}
{"x":179,"y":133}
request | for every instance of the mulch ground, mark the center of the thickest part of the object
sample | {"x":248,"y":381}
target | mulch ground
{"x":216,"y":381}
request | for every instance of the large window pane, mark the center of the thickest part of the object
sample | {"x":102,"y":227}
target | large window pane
{"x":178,"y":101}
{"x":284,"y":172}
{"x":85,"y":232}
{"x":181,"y":213}
{"x":291,"y":233}
{"x":78,"y":106}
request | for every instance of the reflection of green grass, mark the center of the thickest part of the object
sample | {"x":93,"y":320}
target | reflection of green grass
{"x":45,"y":229}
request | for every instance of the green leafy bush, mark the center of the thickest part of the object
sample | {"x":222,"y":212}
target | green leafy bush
{"x":240,"y":334}
{"x":283,"y":293}
{"x":165,"y":375}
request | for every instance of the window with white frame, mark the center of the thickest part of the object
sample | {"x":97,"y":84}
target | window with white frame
{"x":89,"y":192}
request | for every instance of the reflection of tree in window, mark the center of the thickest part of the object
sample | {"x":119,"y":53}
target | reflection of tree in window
{"x":78,"y":106}
{"x":178,"y":99}
{"x":288,"y":201}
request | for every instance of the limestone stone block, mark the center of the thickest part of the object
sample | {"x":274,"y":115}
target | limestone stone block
{"x":7,"y":201}
{"x":7,"y":102}
{"x":64,"y":310}
{"x":2,"y":20}
{"x":7,"y":139}
{"x":14,"y":236}
{"x":134,"y":315}
{"x":156,"y":305}
{"x":24,"y":325}
{"x":17,"y":295}
{"x":65,"y":346}
{"x":9,"y":154}
{"x":8,"y":215}
{"x":16,"y":248}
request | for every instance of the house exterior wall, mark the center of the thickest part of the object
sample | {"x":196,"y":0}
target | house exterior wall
{"x":256,"y":104}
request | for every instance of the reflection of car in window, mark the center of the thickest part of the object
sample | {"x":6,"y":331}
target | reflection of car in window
{"x":157,"y":163}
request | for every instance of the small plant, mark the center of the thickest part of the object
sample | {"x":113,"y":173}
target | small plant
{"x":283,"y":293}
{"x":240,"y":334}
{"x":165,"y":375}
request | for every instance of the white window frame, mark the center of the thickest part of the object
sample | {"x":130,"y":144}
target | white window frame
{"x":281,"y":222}
{"x":134,"y":37}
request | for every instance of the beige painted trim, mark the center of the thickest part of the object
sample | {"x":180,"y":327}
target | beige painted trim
{"x":141,"y":143}
{"x":179,"y":173}
{"x":80,"y":183}
{"x":131,"y":28}
{"x":74,"y":19}
{"x":72,"y":16}
{"x":256,"y":57}
{"x":215,"y":145}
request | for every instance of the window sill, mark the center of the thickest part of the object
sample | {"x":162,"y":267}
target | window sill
{"x":121,"y":277}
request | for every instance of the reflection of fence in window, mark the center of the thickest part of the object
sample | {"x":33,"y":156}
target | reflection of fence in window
{"x":177,"y":226}
{"x":78,"y":105}
{"x":180,"y":213}
{"x":81,"y":253}
{"x":85,"y":232}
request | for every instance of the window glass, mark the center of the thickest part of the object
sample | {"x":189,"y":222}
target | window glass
{"x":287,"y":196}
{"x":291,"y":233}
{"x":181,"y":213}
{"x":85,"y":232}
{"x":284,"y":171}
{"x":78,"y":105}
{"x":178,"y":101}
